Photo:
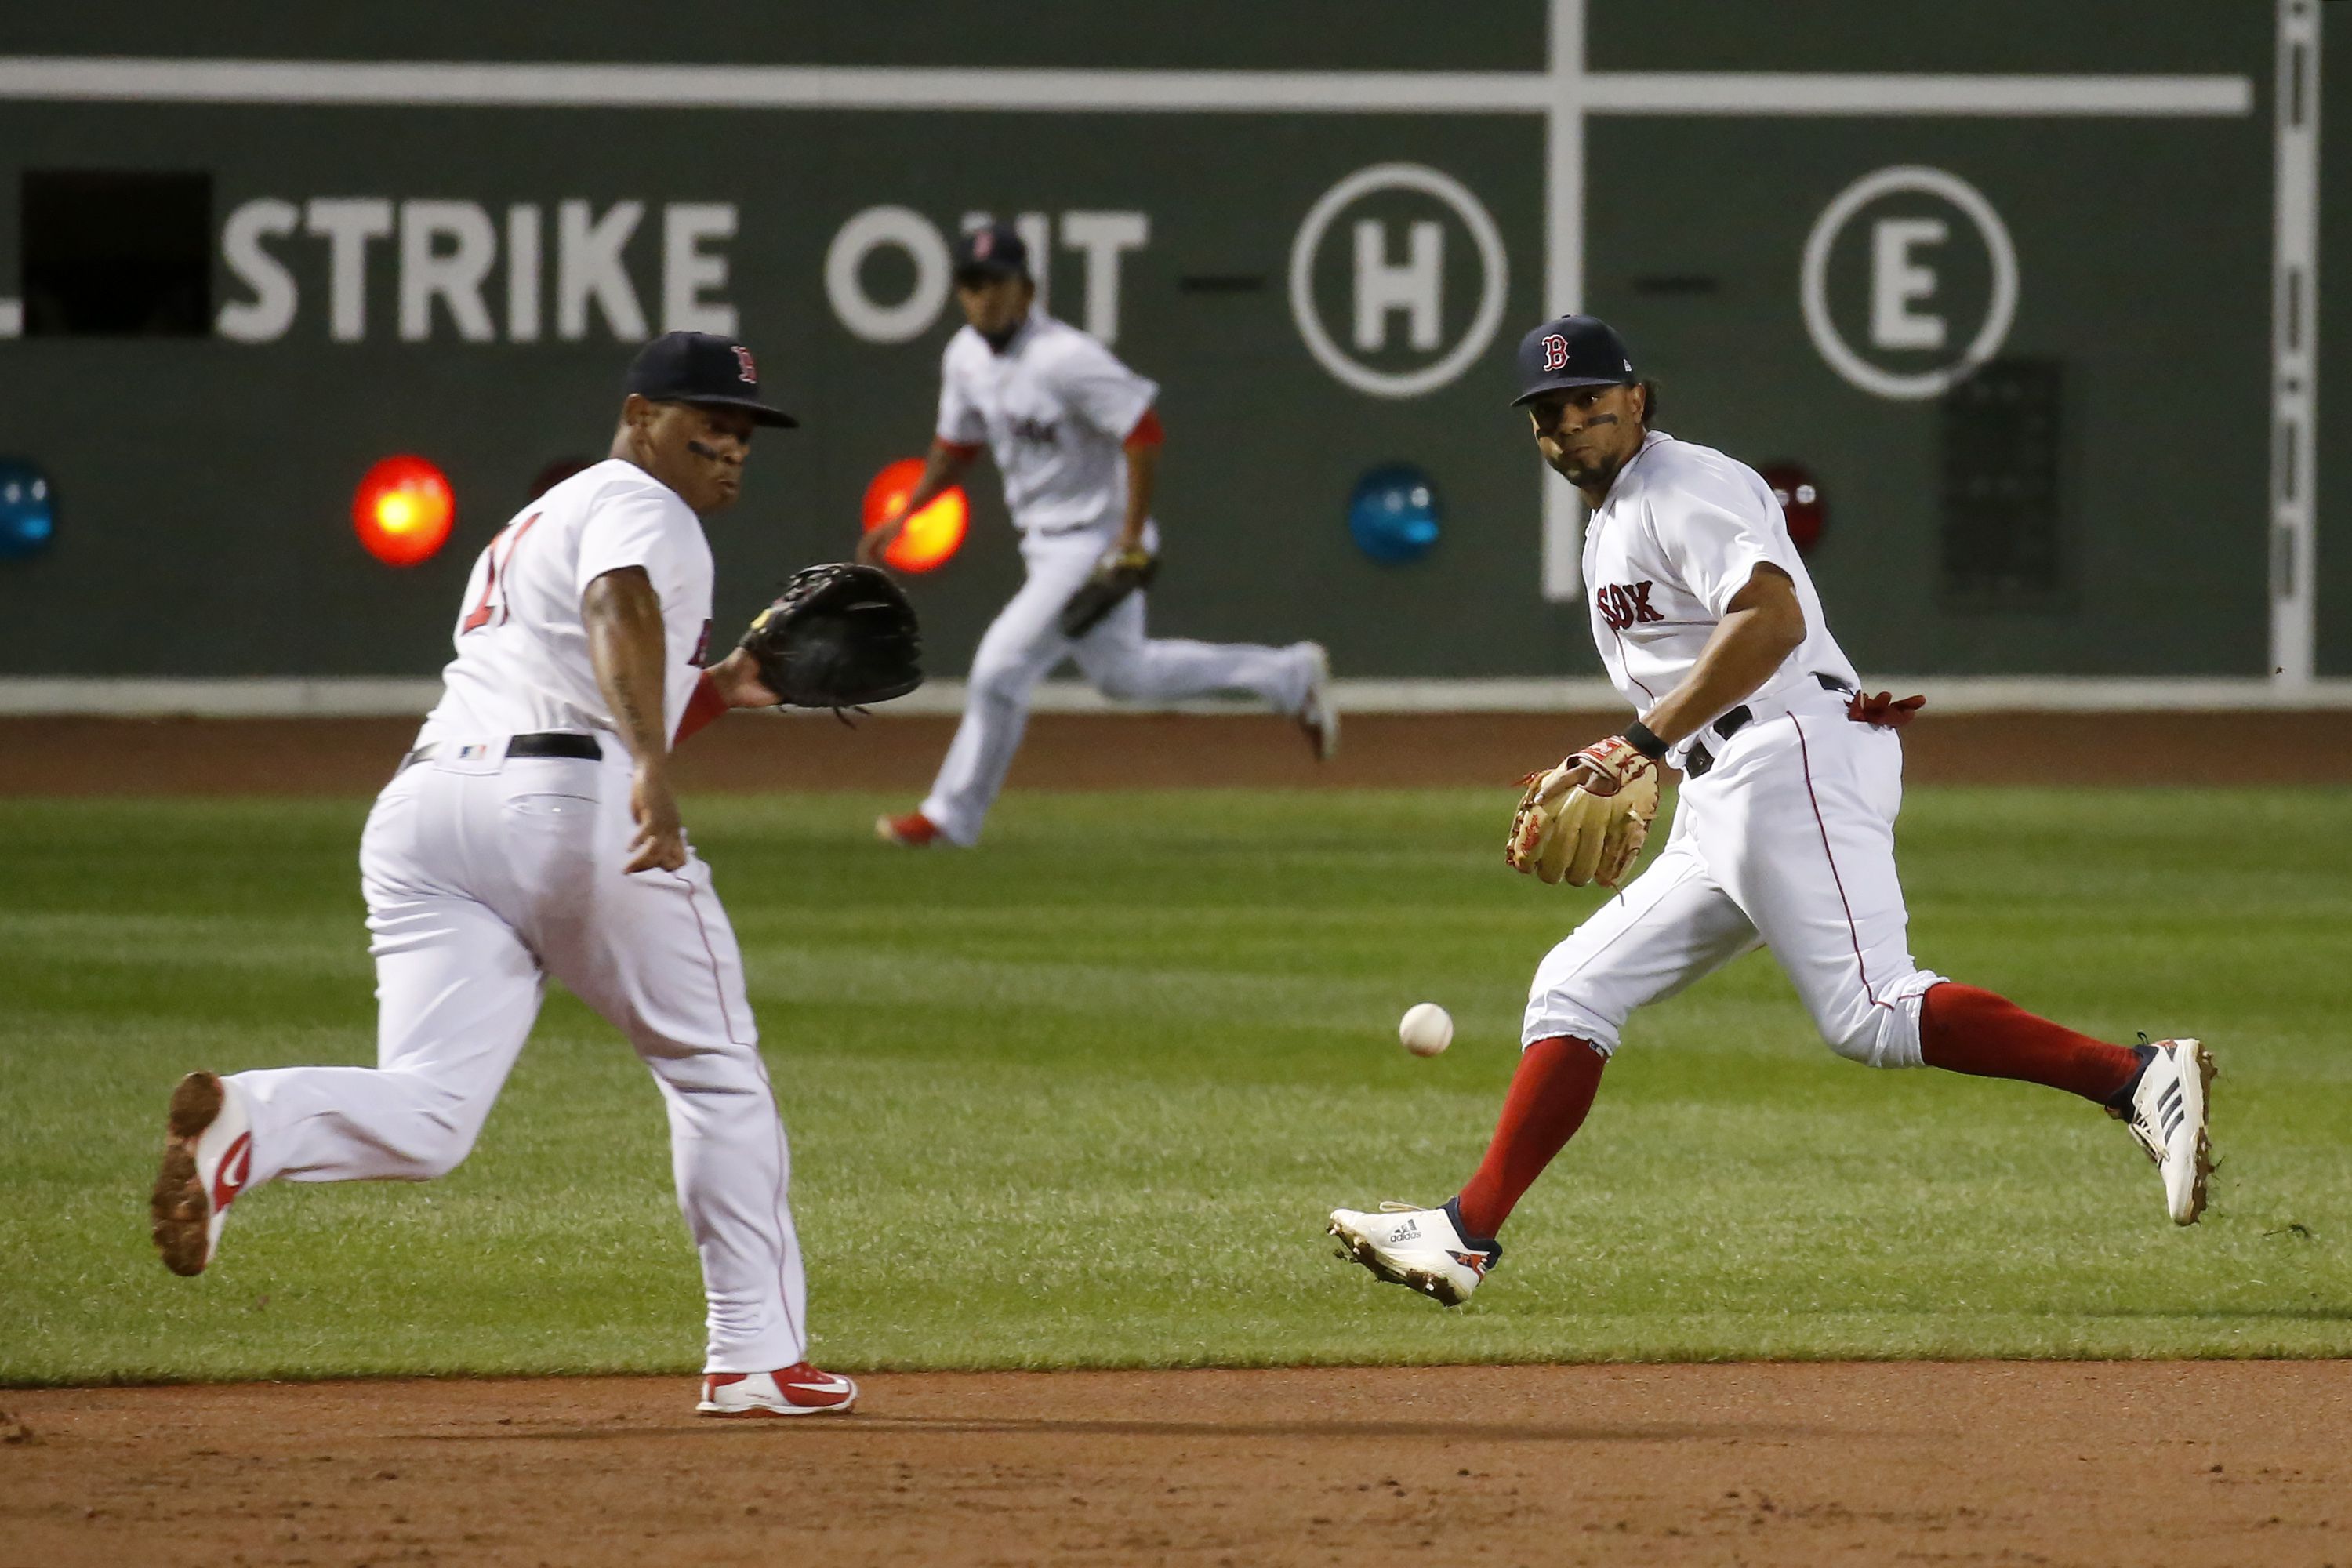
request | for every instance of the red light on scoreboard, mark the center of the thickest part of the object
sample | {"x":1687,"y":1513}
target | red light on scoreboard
{"x":1801,"y":502}
{"x":932,"y":534}
{"x":402,"y":510}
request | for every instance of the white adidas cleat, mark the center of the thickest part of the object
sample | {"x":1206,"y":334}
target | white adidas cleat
{"x":2167,"y":1117}
{"x":1316,"y":716}
{"x":1422,"y":1249}
{"x":207,"y":1155}
{"x":798,"y":1390}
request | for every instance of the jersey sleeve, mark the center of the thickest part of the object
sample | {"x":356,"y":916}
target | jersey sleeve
{"x":960,"y":422}
{"x":633,"y":525}
{"x":1090,"y":382}
{"x":1716,"y":531}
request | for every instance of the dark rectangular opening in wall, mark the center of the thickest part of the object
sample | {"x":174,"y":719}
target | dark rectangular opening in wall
{"x":2003,"y":545}
{"x":111,"y":254}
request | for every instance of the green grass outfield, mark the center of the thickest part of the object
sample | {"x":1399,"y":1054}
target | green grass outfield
{"x":1084,"y":1097}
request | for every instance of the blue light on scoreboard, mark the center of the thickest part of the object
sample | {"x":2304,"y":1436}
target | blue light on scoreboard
{"x":1394,"y":515}
{"x":29,"y":518}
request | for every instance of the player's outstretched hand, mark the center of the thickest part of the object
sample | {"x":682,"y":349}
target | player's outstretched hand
{"x":661,"y":836}
{"x":738,"y":678}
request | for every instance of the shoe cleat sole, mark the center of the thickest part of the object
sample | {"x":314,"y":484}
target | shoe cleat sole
{"x":1358,"y":1249}
{"x":179,"y":1208}
{"x":2207,"y":1071}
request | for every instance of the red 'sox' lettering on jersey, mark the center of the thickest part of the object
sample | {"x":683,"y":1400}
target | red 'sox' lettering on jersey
{"x":1623,"y":605}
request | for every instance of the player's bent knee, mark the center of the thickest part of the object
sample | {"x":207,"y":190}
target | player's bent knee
{"x":434,"y":1142}
{"x":1120,"y":682}
{"x":1548,"y":1016}
{"x":1001,"y":683}
{"x":431,"y":1157}
{"x":1876,"y":1036}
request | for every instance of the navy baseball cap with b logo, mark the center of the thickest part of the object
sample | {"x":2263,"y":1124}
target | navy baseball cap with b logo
{"x":986,"y":254}
{"x":701,"y":367}
{"x":1571,"y":351}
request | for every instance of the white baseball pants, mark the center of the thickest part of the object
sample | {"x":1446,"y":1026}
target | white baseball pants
{"x":1024,"y":643}
{"x":1787,"y":842}
{"x":483,"y":878}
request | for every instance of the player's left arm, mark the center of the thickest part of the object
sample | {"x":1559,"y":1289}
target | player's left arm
{"x":1763,"y":624}
{"x":1142,"y":449}
{"x":1762,"y":627}
{"x":734,"y":682}
{"x":623,"y":615}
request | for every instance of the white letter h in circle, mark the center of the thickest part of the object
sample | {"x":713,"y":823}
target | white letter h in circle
{"x":1417,"y":288}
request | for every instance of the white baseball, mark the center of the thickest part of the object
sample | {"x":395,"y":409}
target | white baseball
{"x":1426,"y":1028}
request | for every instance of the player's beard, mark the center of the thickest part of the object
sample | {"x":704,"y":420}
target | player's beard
{"x":1597,"y":473}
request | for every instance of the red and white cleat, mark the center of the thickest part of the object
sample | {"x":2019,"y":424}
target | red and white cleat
{"x":798,"y":1390}
{"x":914,"y":830}
{"x":208,"y":1154}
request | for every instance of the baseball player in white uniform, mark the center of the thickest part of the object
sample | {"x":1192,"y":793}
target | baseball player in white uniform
{"x":532,"y":832}
{"x":1783,"y":835}
{"x":1076,"y":438}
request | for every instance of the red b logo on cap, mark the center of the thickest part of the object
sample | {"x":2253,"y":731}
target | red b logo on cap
{"x":1555,"y":348}
{"x":746,"y":372}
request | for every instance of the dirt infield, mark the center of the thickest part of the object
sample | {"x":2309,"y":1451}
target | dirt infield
{"x":1146,"y":751}
{"x":2180,"y":1463}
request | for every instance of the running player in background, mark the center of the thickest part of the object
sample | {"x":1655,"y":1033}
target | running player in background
{"x":1783,"y":833}
{"x":533,"y":831}
{"x":1077,"y":439}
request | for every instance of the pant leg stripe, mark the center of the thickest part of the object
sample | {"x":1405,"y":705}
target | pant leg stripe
{"x":1854,"y":933}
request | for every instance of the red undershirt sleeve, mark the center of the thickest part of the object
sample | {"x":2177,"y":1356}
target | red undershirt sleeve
{"x":1148,"y":431}
{"x":701,"y":708}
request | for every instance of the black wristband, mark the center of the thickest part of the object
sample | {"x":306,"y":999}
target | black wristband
{"x":1638,"y":735}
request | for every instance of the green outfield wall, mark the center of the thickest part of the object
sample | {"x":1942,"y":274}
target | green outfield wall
{"x":2034,"y":382}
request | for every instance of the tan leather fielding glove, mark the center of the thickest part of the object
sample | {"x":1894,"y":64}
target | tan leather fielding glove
{"x":1589,"y":831}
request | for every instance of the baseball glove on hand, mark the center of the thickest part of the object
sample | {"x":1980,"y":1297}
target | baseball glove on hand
{"x":1118,"y":573}
{"x":838,"y":637}
{"x":1589,"y":831}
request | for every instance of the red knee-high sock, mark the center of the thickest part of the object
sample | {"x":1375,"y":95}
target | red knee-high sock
{"x":1963,"y":1029}
{"x":1550,"y":1095}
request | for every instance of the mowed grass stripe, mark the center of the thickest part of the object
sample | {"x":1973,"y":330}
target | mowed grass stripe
{"x":1082,"y":1098}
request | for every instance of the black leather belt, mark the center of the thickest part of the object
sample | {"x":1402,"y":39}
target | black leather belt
{"x":554,"y":743}
{"x":1701,"y":760}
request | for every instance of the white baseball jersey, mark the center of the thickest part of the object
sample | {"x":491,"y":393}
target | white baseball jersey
{"x":486,"y":873}
{"x":1784,"y":832}
{"x":1055,"y":409}
{"x":522,"y":665}
{"x":1683,"y":529}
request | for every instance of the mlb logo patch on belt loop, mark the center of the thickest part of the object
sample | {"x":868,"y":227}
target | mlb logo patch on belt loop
{"x":473,"y":751}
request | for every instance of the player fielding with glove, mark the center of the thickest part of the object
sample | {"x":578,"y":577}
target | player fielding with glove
{"x":839,"y":636}
{"x":1076,"y":438}
{"x":1783,"y":833}
{"x":1586,"y":820}
{"x":533,"y":831}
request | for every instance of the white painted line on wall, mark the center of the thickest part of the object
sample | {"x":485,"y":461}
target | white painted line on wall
{"x":2295,"y":353}
{"x":381,"y":698}
{"x":524,"y":85}
{"x":1561,"y":562}
{"x":12,"y":317}
{"x":1846,"y":92}
{"x":421,"y":83}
